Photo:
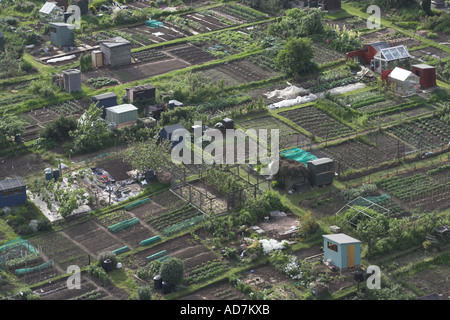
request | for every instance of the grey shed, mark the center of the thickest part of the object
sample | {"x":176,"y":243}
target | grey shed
{"x":72,"y":80}
{"x":116,"y":51}
{"x":62,"y":34}
{"x":321,"y":171}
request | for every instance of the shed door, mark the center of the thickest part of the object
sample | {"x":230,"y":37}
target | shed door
{"x":350,"y":255}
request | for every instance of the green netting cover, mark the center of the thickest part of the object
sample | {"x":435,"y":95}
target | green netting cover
{"x":154,"y":23}
{"x":182,"y":225}
{"x":374,"y":199}
{"x":299,"y":155}
{"x":17,"y":242}
{"x":43,"y":266}
{"x":121,"y":250}
{"x":123,"y":225}
{"x":157,"y":255}
{"x":163,"y":258}
{"x":137,"y":204}
{"x":150,"y":240}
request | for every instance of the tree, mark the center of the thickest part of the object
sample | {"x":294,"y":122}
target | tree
{"x":296,"y":57}
{"x":90,"y":130}
{"x":172,"y":271}
{"x":289,"y":169}
{"x":426,"y":6}
{"x":58,"y":129}
{"x":370,"y":230}
{"x":10,"y":126}
{"x":151,"y":154}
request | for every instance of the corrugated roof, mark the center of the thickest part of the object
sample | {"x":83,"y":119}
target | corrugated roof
{"x":340,"y":238}
{"x":48,"y":7}
{"x":122,"y":108}
{"x":11,"y":184}
{"x":173,"y":127}
{"x":115,"y":42}
{"x":105,"y":96}
{"x":379,"y":45}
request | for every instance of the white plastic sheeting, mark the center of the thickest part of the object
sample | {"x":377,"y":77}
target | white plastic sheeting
{"x":292,"y":102}
{"x":289,"y":92}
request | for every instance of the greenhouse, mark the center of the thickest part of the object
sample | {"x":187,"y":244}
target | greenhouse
{"x":384,"y":58}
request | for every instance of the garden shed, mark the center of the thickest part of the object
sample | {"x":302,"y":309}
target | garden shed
{"x":72,"y":80}
{"x":2,"y":41}
{"x":12,"y":192}
{"x":51,"y":12}
{"x":426,"y":73}
{"x":62,"y":34}
{"x":105,"y":101}
{"x":122,"y":114}
{"x":321,"y":171}
{"x":116,"y":51}
{"x":404,"y":82}
{"x":144,"y":92}
{"x":341,"y":251}
{"x":83,"y":5}
{"x":166,"y":133}
{"x":330,"y":5}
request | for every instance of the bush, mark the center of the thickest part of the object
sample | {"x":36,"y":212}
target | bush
{"x":108,"y":255}
{"x":144,"y":293}
{"x":99,"y":273}
{"x":172,"y":271}
{"x":432,"y":35}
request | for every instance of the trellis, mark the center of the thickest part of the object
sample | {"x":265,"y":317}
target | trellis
{"x":207,"y":203}
{"x":360,"y":202}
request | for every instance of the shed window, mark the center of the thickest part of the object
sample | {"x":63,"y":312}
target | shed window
{"x":332,"y":246}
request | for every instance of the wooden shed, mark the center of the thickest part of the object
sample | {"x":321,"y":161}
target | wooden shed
{"x":330,"y":5}
{"x":116,"y":51}
{"x":62,"y":34}
{"x":105,"y":101}
{"x":72,"y":80}
{"x":167,"y":132}
{"x":321,"y":171}
{"x":341,"y":251}
{"x":12,"y":192}
{"x":144,"y":92}
{"x":426,"y":73}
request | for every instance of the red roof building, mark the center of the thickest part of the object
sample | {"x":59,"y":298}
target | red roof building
{"x":426,"y":73}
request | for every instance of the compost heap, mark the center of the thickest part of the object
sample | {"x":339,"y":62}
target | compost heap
{"x":291,"y":96}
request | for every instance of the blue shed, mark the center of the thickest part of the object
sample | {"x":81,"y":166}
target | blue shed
{"x":12,"y":192}
{"x":342,"y":251}
{"x":105,"y":101}
{"x":166,"y":133}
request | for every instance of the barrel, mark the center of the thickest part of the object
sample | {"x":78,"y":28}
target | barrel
{"x":48,"y":174}
{"x":157,"y":281}
{"x":107,"y":265}
{"x":56,"y":174}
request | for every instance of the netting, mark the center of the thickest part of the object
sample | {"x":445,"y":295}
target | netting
{"x":150,"y":241}
{"x":157,"y":255}
{"x":13,"y":249}
{"x":136,"y":204}
{"x":121,"y":250}
{"x":182,"y":225}
{"x":154,"y":23}
{"x":123,"y":225}
{"x":43,"y":266}
{"x":299,"y":155}
{"x":367,"y":200}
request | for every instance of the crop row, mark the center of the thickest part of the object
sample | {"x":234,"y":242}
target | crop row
{"x":114,"y":217}
{"x":417,"y":186}
{"x":173,"y":217}
{"x":206,"y":271}
{"x":241,"y":12}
